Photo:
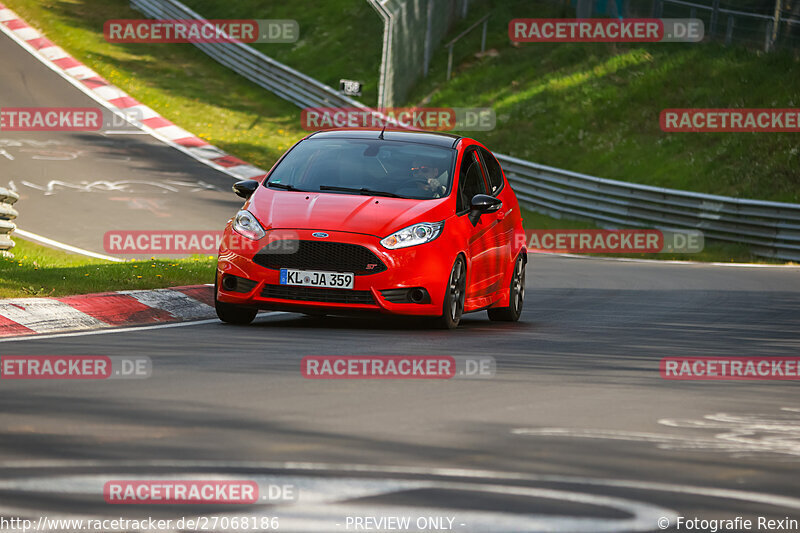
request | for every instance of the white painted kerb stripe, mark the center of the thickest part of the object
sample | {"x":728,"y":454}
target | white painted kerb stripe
{"x":173,"y":132}
{"x":174,"y":302}
{"x":45,"y":315}
{"x":26,"y":34}
{"x":108,"y":92}
{"x":7,"y":14}
{"x":81,"y":72}
{"x":53,"y":52}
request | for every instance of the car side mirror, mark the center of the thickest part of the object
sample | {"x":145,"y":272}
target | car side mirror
{"x":245,"y":188}
{"x":483,"y":203}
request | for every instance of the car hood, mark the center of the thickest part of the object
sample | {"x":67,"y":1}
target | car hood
{"x":371,"y":215}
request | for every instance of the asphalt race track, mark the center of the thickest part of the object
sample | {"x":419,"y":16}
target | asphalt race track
{"x":576,"y":424}
{"x":75,"y":186}
{"x":577,"y":431}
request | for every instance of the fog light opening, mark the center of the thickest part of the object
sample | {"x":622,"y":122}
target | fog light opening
{"x":416,"y":295}
{"x":229,"y":283}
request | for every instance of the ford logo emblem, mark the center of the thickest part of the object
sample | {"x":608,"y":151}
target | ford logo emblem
{"x":319,"y":234}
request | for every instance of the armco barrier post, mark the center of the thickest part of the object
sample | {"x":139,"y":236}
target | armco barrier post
{"x":7,"y":214}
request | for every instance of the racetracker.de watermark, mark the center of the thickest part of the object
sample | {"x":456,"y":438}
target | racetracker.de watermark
{"x":622,"y":241}
{"x":24,"y":119}
{"x":402,"y":118}
{"x":730,"y":120}
{"x":730,"y":368}
{"x":397,"y":367}
{"x":194,"y":491}
{"x":80,"y":367}
{"x":601,"y":30}
{"x":201,"y":31}
{"x":179,"y":242}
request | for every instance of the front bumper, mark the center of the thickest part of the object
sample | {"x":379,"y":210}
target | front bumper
{"x":425,"y":266}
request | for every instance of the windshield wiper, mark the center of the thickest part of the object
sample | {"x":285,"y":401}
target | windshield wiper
{"x":363,"y":190}
{"x":284,"y":186}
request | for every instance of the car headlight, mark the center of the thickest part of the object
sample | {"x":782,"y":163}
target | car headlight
{"x":245,"y":224}
{"x":413,"y":235}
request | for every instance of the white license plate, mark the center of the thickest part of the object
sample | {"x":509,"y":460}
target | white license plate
{"x":314,"y":278}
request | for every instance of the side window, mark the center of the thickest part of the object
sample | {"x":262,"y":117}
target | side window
{"x":470,"y":181}
{"x":495,"y":172}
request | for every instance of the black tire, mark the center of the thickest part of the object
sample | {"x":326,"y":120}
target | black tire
{"x":232,"y":313}
{"x":516,"y":297}
{"x":453,"y":306}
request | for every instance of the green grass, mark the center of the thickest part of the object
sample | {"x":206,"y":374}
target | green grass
{"x":594,"y":108}
{"x":37,"y":270}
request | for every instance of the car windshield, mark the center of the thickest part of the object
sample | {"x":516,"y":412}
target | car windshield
{"x":366,"y":166}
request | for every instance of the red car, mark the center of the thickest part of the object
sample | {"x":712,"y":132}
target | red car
{"x":397,"y":222}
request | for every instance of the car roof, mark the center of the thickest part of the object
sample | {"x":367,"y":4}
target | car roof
{"x":446,"y":140}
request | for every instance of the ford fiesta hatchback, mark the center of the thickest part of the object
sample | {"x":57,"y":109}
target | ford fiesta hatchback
{"x":395,"y":222}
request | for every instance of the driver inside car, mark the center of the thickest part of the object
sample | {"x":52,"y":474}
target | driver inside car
{"x":428,"y":179}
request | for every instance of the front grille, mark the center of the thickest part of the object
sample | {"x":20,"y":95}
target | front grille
{"x":317,"y":255}
{"x":315,"y":294}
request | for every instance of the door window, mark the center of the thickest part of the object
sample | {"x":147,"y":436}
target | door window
{"x":495,"y":171}
{"x":470,"y":181}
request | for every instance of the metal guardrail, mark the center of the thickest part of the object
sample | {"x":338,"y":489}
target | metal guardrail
{"x":772,"y":229}
{"x":264,"y":71}
{"x":7,"y":214}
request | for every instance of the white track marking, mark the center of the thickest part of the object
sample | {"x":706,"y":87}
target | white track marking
{"x":53,"y":186}
{"x":325,"y":501}
{"x":132,"y":186}
{"x":29,"y":312}
{"x":69,"y":248}
{"x":126,"y":329}
{"x":30,"y":142}
{"x":493,"y":480}
{"x":741,"y":435}
{"x":492,"y":475}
